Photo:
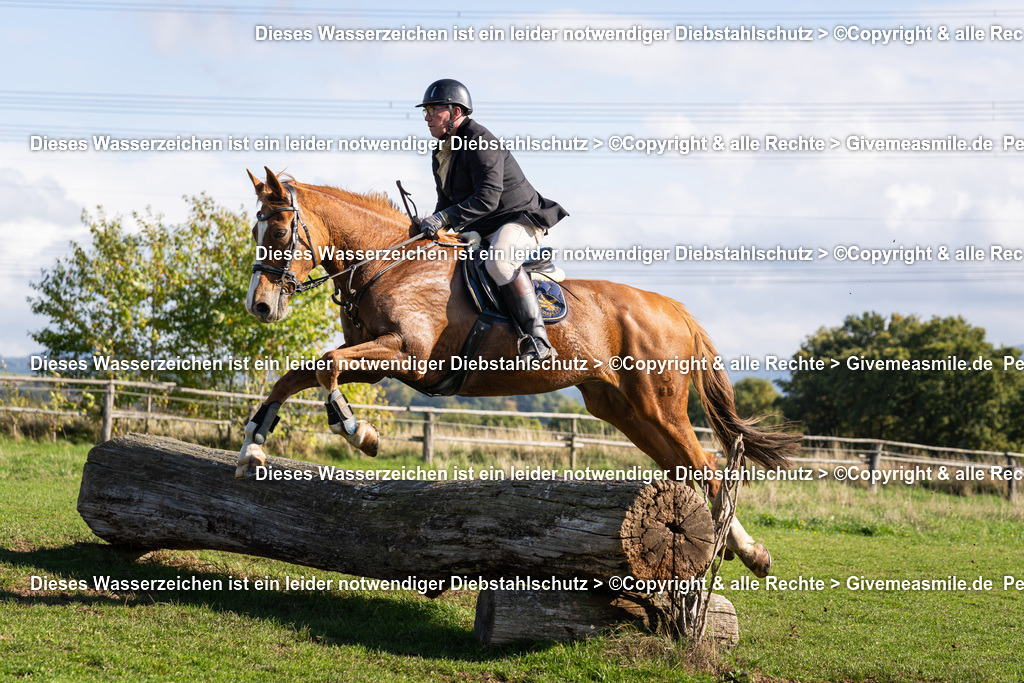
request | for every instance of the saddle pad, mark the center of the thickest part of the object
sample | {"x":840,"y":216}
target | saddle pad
{"x":485,"y":297}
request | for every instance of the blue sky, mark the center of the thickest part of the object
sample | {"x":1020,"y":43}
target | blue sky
{"x":78,"y":69}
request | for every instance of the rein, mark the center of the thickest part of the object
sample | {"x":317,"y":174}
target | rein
{"x":350,"y":302}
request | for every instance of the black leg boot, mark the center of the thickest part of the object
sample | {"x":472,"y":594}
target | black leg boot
{"x":523,"y":307}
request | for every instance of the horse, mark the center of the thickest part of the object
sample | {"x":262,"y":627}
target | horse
{"x":402,"y":309}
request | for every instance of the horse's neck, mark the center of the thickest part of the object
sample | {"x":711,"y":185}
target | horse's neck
{"x":353,"y":227}
{"x":363,"y":230}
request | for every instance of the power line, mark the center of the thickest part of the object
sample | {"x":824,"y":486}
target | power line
{"x":454,"y":14}
{"x":632,"y":214}
{"x":940,"y":111}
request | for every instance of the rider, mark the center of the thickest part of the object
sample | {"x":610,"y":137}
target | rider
{"x":480,"y":187}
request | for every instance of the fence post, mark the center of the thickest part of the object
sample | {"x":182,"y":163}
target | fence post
{"x":108,"y":413}
{"x":874,"y":459}
{"x":572,"y":444}
{"x":231,"y":417}
{"x":1011,"y":483}
{"x":428,"y":436}
{"x":220,"y":428}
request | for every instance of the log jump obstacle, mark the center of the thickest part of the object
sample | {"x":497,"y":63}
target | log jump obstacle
{"x":150,"y":493}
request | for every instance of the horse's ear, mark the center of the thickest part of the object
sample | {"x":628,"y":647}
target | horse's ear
{"x":255,"y":181}
{"x":273,"y":184}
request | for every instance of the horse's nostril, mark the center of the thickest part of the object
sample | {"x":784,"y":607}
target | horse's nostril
{"x":262,"y":309}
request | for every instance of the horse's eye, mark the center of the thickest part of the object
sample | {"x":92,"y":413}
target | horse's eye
{"x":279,"y":234}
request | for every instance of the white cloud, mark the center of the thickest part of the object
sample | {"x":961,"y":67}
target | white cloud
{"x":41,"y":199}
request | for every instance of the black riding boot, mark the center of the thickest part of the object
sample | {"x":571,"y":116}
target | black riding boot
{"x":522,"y":304}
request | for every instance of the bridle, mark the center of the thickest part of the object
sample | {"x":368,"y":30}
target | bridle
{"x":349,"y":301}
{"x":287,"y":280}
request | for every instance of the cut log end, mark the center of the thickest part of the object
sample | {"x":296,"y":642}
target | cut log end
{"x":668,"y":533}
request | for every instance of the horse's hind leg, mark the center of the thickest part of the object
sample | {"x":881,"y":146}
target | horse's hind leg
{"x":666,"y":413}
{"x":607,"y":403}
{"x":753,"y":554}
{"x":681,"y":435}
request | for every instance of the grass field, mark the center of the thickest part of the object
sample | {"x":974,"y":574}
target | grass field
{"x":822,"y":530}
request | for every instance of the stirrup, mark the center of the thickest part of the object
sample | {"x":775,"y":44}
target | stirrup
{"x":530,"y":349}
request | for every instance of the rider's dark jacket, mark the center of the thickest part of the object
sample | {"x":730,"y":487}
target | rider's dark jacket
{"x":486,"y":189}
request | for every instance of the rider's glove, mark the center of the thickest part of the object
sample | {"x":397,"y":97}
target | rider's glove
{"x":432,"y":224}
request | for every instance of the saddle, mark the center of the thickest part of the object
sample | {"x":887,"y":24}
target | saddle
{"x":484,"y":294}
{"x":544,"y":273}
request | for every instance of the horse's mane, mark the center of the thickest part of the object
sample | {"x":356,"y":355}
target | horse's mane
{"x":375,"y":201}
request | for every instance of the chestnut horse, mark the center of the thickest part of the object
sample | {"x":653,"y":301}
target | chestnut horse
{"x":420,"y":309}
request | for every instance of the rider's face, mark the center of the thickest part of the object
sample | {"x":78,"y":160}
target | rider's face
{"x":437,"y":119}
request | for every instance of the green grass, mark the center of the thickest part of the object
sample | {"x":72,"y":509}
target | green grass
{"x":844,"y":634}
{"x":831,"y":531}
{"x":824,"y":530}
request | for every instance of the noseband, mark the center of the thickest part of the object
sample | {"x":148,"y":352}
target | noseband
{"x":287,"y":280}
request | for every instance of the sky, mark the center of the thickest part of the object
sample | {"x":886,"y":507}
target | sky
{"x":141,"y":69}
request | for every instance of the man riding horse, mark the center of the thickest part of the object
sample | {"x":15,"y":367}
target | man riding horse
{"x":397,"y":312}
{"x":480,"y":187}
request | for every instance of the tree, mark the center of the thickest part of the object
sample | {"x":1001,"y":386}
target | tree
{"x":694,"y":408}
{"x":174,"y":291}
{"x":756,"y":397}
{"x":891,"y":383}
{"x":98,"y":300}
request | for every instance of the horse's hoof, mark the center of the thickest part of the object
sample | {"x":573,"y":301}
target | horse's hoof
{"x":365,"y":438}
{"x":728,"y":555}
{"x":368,"y":437}
{"x":249,"y":459}
{"x":758,"y":561}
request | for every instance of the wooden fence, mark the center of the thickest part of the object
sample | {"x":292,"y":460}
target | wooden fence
{"x":231,"y":410}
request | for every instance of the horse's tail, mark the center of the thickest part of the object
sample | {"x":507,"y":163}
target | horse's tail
{"x":771,"y":449}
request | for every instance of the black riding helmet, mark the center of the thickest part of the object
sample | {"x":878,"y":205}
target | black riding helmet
{"x":448,"y":91}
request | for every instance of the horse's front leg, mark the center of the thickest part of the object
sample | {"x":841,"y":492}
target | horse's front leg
{"x":359,"y":363}
{"x":252,"y":456}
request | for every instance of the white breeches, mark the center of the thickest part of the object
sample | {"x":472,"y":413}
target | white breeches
{"x":510,"y":247}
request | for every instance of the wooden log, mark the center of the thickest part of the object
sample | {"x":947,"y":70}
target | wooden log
{"x":149,"y":492}
{"x":507,"y":616}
